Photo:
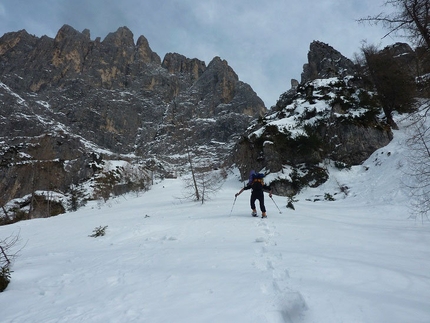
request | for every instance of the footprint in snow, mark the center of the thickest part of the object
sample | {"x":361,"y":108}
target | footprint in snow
{"x":260,"y":239}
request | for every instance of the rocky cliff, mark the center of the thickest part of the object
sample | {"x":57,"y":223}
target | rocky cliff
{"x":326,"y":118}
{"x":71,"y":100}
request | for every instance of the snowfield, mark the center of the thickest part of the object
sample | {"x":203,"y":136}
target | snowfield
{"x":360,"y":258}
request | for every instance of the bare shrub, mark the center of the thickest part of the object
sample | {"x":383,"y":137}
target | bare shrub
{"x":6,"y":259}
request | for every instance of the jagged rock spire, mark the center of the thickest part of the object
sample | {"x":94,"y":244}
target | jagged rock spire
{"x":324,"y":62}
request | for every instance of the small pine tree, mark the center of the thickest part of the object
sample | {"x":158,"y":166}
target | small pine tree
{"x":99,"y":232}
{"x":395,"y":87}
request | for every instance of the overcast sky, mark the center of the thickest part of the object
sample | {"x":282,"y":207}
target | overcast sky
{"x":265,"y":41}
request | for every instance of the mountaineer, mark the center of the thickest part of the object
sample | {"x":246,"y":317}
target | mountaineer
{"x":256,"y":184}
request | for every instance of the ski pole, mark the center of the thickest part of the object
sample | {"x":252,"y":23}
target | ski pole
{"x":234,"y":202}
{"x":276,"y":205}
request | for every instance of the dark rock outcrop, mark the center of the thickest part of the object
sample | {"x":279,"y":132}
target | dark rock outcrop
{"x":325,"y":62}
{"x":327,"y":117}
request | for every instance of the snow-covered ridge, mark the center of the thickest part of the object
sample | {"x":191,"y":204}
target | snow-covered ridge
{"x":304,"y":111}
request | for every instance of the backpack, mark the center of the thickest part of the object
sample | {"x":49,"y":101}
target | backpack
{"x":253,"y":176}
{"x":259,"y":176}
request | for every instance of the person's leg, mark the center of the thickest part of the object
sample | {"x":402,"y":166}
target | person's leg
{"x":252,"y":202}
{"x":262,"y":206}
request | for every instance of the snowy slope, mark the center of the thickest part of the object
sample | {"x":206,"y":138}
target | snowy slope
{"x":359,"y":258}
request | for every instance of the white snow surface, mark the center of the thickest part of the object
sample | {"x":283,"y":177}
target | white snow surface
{"x":360,"y":258}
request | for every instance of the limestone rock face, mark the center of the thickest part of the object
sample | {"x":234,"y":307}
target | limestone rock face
{"x":179,"y":64}
{"x":115,"y":96}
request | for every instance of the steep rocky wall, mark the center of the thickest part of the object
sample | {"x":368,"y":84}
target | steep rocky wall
{"x":111,"y":95}
{"x":116,"y":93}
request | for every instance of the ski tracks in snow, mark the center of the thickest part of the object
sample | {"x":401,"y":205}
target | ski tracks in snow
{"x":284,"y":305}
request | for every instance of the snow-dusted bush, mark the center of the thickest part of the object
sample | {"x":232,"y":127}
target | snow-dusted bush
{"x":6,"y":259}
{"x":99,"y":232}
